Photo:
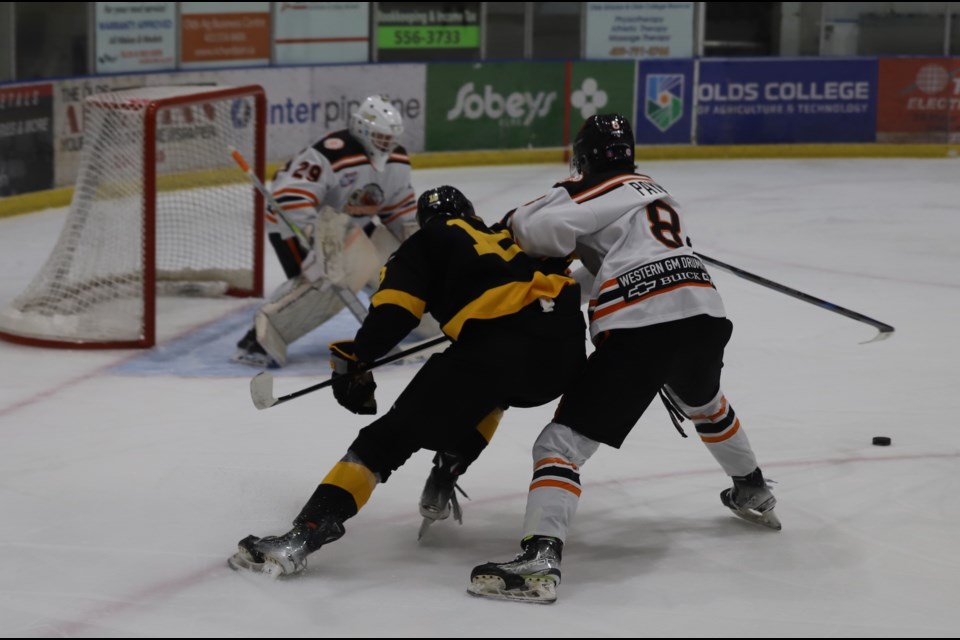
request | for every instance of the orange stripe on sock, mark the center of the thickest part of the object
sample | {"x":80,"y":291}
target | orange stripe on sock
{"x":717,"y":415}
{"x":556,"y":484}
{"x":723,"y":436}
{"x":546,"y":461}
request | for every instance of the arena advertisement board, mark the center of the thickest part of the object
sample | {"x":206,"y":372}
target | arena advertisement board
{"x":26,"y":138}
{"x":68,"y":119}
{"x":224,"y":34}
{"x":305,"y":103}
{"x":760,"y":101}
{"x":664,"y":102}
{"x":617,"y":30}
{"x":494,"y":106}
{"x":423,"y":31}
{"x":321,"y":32}
{"x":919,"y":100}
{"x":135,"y":36}
{"x":599,"y":87}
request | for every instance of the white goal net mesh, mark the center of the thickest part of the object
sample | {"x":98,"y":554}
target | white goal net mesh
{"x":159,"y":208}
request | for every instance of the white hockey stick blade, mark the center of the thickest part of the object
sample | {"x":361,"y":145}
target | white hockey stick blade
{"x":538,"y":590}
{"x":261,"y":390}
{"x":883,"y":335}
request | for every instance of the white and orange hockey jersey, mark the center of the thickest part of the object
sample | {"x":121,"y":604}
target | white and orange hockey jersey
{"x":336,"y":172}
{"x":627,"y":231}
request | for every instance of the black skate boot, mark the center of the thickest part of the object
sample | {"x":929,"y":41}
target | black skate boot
{"x":250,"y":352}
{"x":439,"y":497}
{"x":532,"y":576}
{"x":287,"y":554}
{"x":750,"y":498}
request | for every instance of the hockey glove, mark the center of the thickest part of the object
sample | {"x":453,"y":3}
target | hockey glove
{"x":353,"y":390}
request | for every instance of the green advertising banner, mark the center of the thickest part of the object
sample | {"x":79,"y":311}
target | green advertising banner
{"x":495,"y":106}
{"x":601,"y":87}
{"x":419,"y":37}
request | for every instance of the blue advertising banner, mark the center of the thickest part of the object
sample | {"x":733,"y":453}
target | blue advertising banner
{"x":664,"y":102}
{"x":771,"y":101}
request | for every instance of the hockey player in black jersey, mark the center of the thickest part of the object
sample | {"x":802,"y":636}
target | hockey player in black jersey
{"x":517,"y":340}
{"x":659,"y":326}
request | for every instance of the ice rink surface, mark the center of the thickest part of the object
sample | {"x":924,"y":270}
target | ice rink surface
{"x":127,"y":478}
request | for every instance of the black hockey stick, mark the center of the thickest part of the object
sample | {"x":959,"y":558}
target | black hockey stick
{"x":261,"y":386}
{"x":885,"y":329}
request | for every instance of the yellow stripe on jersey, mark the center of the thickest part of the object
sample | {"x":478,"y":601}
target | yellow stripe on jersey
{"x":488,"y":425}
{"x":354,"y":478}
{"x":411,"y":303}
{"x":507,"y":299}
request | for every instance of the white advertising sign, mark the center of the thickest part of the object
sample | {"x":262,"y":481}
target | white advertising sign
{"x":621,"y":30}
{"x":321,"y":32}
{"x":304,"y":104}
{"x":136,"y":36}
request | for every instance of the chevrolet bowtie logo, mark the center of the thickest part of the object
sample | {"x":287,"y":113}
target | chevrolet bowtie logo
{"x":639,"y":289}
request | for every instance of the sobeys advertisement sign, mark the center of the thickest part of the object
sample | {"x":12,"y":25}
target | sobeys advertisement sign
{"x":600,"y":87}
{"x":494,"y":106}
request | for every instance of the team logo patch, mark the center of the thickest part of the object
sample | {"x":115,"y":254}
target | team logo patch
{"x":663,"y":105}
{"x":647,"y":281}
{"x":348,"y":179}
{"x":334,"y":144}
{"x":365,"y":201}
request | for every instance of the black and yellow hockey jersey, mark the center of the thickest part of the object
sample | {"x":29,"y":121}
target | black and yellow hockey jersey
{"x":461,"y":272}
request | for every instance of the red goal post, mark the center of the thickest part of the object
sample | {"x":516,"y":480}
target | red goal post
{"x":159,"y":208}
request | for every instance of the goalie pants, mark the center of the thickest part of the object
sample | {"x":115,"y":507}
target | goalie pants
{"x":524,"y":360}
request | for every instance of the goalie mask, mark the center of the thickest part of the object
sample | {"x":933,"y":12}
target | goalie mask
{"x":604,"y":143}
{"x":377,"y":126}
{"x":445,"y":201}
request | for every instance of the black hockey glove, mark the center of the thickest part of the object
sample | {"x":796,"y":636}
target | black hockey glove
{"x":352,"y":390}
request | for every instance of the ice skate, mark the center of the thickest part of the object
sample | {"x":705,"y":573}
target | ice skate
{"x":532,"y":576}
{"x":439,"y":497}
{"x":750,"y":498}
{"x":285,"y":555}
{"x":249,"y":352}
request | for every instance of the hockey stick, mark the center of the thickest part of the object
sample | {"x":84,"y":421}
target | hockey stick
{"x":261,"y":385}
{"x":348,"y":297}
{"x":885,"y":329}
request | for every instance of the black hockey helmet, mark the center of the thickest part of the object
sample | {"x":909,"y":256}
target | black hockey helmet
{"x":604,"y":142}
{"x":444,"y":201}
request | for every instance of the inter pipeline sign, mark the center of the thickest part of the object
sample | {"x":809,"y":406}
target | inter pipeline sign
{"x":783,"y":101}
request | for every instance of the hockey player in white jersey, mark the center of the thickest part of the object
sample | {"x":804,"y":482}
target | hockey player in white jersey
{"x":349,"y":196}
{"x":659,"y":326}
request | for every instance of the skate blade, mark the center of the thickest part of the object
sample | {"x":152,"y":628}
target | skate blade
{"x":766,"y":519}
{"x":423,"y":527}
{"x":257,"y":360}
{"x":429,"y":517}
{"x":537,"y":589}
{"x":241,"y":561}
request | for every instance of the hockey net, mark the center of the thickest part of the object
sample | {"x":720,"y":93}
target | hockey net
{"x":159,"y":208}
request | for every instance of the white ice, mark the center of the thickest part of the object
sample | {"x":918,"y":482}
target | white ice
{"x":127,"y":478}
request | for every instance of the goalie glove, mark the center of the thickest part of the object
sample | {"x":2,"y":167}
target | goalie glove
{"x":354,"y":391}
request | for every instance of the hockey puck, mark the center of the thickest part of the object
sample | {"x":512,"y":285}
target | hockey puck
{"x":881,"y":441}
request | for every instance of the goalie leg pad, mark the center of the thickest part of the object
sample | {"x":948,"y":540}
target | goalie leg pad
{"x":302,"y":309}
{"x":361,"y":260}
{"x":384,"y":243}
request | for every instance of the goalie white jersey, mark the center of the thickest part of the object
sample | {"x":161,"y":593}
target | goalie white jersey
{"x":336,"y":172}
{"x":626,"y":229}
